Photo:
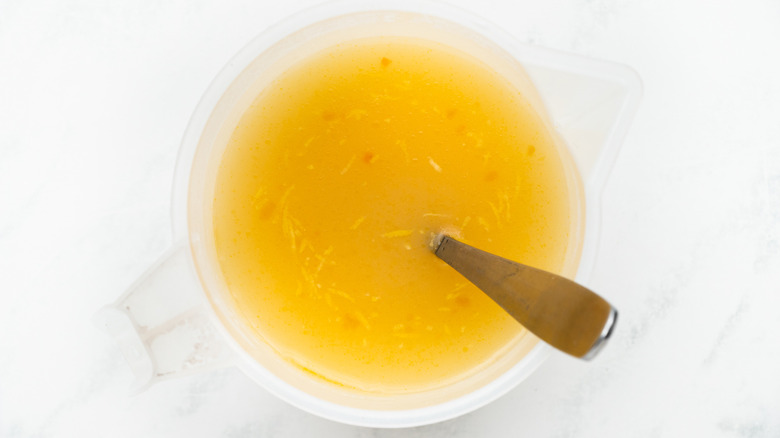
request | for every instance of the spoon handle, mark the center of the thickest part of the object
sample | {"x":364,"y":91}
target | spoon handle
{"x":559,"y":311}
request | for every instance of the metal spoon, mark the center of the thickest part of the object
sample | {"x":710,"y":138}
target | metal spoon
{"x":559,"y":311}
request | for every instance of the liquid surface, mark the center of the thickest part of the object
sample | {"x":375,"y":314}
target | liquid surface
{"x":332,"y":186}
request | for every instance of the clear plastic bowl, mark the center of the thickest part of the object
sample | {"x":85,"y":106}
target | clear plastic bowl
{"x":172,"y":321}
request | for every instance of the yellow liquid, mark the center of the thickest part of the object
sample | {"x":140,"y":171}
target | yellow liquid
{"x":332,"y":186}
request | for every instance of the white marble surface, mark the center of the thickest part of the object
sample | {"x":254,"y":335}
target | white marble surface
{"x":94,"y":97}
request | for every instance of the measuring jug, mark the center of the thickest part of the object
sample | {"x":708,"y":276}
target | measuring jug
{"x":172,"y":322}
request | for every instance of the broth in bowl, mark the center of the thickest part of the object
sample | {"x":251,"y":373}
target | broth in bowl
{"x":332,"y":185}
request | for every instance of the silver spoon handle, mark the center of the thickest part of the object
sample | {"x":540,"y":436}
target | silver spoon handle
{"x":559,"y":311}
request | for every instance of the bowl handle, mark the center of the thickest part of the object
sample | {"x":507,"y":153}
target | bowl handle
{"x":162,"y":325}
